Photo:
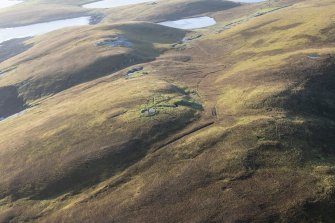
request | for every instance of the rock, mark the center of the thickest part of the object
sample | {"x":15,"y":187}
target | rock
{"x":146,"y":113}
{"x":313,"y":56}
{"x":152,"y":111}
{"x":134,"y":70}
{"x":95,"y":19}
{"x":118,"y":41}
{"x":149,"y":112}
{"x":190,"y":38}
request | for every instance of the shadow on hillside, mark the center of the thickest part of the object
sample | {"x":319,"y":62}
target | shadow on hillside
{"x":89,"y":170}
{"x":314,"y":102}
{"x":36,"y":88}
{"x":317,"y":98}
{"x":92,"y":170}
{"x":10,"y":101}
{"x":12,"y":48}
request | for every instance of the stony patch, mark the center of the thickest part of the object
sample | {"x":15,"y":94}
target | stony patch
{"x":135,"y":72}
{"x":192,"y":37}
{"x":119,"y":41}
{"x":313,"y":56}
{"x":149,"y":112}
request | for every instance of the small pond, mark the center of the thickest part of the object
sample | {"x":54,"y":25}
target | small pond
{"x":40,"y":28}
{"x":248,"y":1}
{"x":191,"y":23}
{"x":8,"y":3}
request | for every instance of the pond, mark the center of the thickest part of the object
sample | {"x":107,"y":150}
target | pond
{"x":40,"y":28}
{"x":114,"y":3}
{"x":248,"y":1}
{"x":191,"y":23}
{"x":8,"y":3}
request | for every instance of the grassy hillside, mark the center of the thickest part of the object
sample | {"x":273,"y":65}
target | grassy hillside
{"x":236,"y":125}
{"x":31,"y":12}
{"x":69,"y":57}
{"x":35,"y":11}
{"x":168,"y":10}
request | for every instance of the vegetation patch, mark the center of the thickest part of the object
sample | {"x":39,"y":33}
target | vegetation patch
{"x":173,"y":99}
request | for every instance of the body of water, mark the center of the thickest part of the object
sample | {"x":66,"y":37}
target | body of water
{"x":248,"y":1}
{"x":191,"y":23}
{"x":114,"y":3}
{"x":40,"y":28}
{"x":8,"y":3}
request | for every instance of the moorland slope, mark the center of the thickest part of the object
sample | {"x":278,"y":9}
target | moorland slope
{"x":236,"y":124}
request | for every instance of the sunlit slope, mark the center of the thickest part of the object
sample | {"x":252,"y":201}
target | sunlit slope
{"x":31,"y":12}
{"x":168,"y":10}
{"x":268,"y":158}
{"x":269,"y":64}
{"x":68,"y":57}
{"x":244,"y":132}
{"x":35,"y":11}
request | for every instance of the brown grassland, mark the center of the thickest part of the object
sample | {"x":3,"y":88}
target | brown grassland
{"x":242,"y":128}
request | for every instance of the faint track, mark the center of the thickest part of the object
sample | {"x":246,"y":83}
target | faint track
{"x":182,"y":135}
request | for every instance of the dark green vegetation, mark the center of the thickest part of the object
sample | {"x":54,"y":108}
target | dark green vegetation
{"x":236,"y":125}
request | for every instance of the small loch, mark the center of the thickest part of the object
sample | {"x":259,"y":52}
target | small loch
{"x":248,"y":1}
{"x":8,"y":3}
{"x":190,"y":23}
{"x":40,"y":28}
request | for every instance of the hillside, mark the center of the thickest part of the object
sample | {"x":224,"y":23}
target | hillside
{"x":131,"y":121}
{"x":67,"y":58}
